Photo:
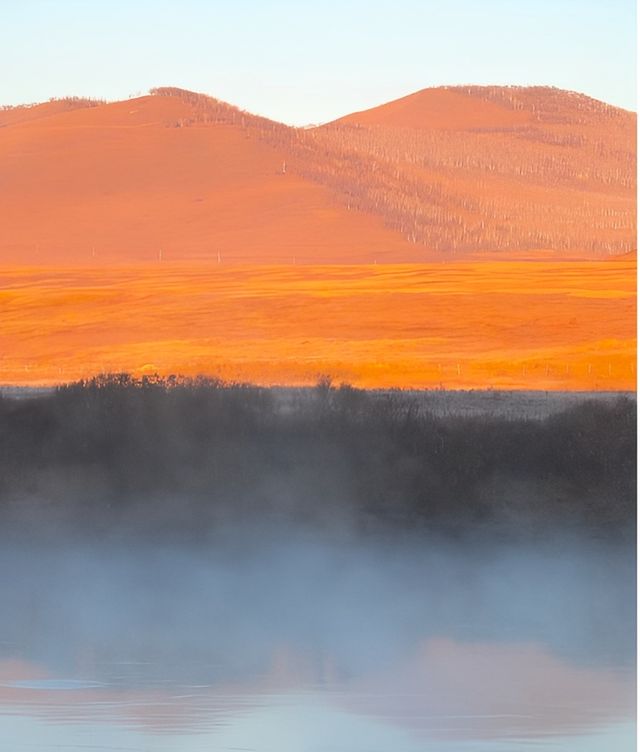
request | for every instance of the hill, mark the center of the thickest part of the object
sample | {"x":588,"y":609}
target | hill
{"x":440,"y":174}
{"x":24,"y":113}
{"x":514,"y":170}
{"x":152,"y":178}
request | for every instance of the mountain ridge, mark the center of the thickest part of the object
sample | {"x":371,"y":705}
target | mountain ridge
{"x":496,"y":170}
{"x":79,"y":102}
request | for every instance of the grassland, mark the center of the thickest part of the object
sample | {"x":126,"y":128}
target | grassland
{"x":514,"y":325}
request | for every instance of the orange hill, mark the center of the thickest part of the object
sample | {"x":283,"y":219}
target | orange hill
{"x":512,"y":170}
{"x":121,"y":182}
{"x":440,"y":174}
{"x":444,"y":108}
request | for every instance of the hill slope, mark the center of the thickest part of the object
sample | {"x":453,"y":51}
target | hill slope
{"x":486,"y":169}
{"x":120,"y":182}
{"x":442,"y":173}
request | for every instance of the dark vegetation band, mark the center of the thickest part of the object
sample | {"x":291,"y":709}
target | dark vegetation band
{"x":192,"y":454}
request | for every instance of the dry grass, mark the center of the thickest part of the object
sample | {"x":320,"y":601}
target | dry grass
{"x":516,"y":325}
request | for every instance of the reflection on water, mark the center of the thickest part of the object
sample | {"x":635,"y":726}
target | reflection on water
{"x":302,"y":646}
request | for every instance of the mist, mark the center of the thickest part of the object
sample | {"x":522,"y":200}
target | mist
{"x":352,"y":621}
{"x":183,"y":458}
{"x":213,"y":566}
{"x":361,"y":601}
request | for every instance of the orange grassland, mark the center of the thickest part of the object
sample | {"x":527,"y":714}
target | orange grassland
{"x":503,"y":324}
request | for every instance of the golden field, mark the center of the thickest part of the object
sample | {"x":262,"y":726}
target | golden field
{"x":503,"y":324}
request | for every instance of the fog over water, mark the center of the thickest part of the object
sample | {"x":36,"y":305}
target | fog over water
{"x":310,"y":643}
{"x":192,"y":567}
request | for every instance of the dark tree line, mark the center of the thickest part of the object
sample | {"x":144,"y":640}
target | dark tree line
{"x":174,"y":455}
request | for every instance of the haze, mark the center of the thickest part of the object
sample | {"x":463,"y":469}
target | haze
{"x":299,"y":644}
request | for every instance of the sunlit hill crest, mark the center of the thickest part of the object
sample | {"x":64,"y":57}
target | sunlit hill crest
{"x":444,"y":173}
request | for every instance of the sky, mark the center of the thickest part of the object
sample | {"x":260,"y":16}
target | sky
{"x":309,"y":61}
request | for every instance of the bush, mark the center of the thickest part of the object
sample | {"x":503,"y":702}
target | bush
{"x":194,"y":453}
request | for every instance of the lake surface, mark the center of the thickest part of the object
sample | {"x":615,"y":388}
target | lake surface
{"x":309,"y":646}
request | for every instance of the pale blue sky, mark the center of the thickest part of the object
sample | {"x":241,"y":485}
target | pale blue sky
{"x":303,"y":62}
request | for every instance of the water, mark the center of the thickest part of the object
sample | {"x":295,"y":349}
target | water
{"x":307,"y":646}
